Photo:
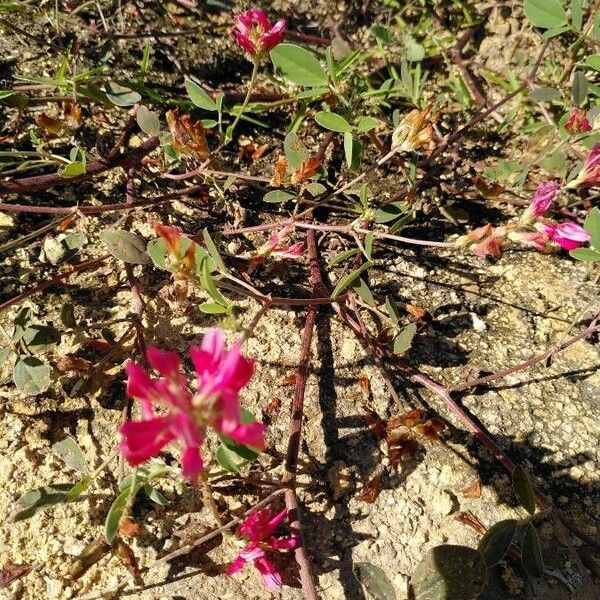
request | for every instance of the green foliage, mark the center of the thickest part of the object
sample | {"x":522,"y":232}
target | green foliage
{"x":374,"y":580}
{"x":298,"y":65}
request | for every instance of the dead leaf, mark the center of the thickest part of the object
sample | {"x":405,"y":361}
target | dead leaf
{"x":306,"y":170}
{"x":72,"y":364}
{"x":473,"y":491}
{"x":125,"y":553}
{"x":339,"y":479}
{"x":128,"y":527}
{"x":189,"y":136}
{"x":90,"y":555}
{"x":375,"y":423}
{"x":280,"y":170}
{"x":11,"y":572}
{"x":468,"y":518}
{"x":372,"y":488}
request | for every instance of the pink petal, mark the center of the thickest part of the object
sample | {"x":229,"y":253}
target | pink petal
{"x":250,"y":434}
{"x":572,"y":231}
{"x":274,"y":522}
{"x":275,"y":36}
{"x":236,"y":369}
{"x":139,"y":384}
{"x":191,"y":463}
{"x":166,"y":363}
{"x":252,"y":552}
{"x":288,"y":543}
{"x":142,"y":440}
{"x":270,"y":575}
{"x":237,"y":565}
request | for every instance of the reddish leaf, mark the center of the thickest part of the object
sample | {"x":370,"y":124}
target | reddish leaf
{"x":11,"y":572}
{"x":188,"y":136}
{"x":375,"y":423}
{"x":468,"y":518}
{"x":473,"y":491}
{"x":371,"y":489}
{"x":280,"y":169}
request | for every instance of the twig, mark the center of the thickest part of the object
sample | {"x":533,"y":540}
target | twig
{"x":295,"y":434}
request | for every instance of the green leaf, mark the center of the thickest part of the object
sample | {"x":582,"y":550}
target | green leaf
{"x":449,"y":572}
{"x":374,"y":580}
{"x":551,"y":33}
{"x":21,"y":322}
{"x":125,"y":246}
{"x":228,"y":459}
{"x":31,"y":375}
{"x":332,"y":121}
{"x":315,"y":189}
{"x":79,"y":488}
{"x":74,"y":169}
{"x":366,"y":124}
{"x":276,"y":196}
{"x":403,"y":341}
{"x":37,"y":337}
{"x":592,"y":226}
{"x":390,"y":212}
{"x":155,"y":495}
{"x":148,"y":120}
{"x":212,"y":250}
{"x":295,"y":151}
{"x":577,"y":14}
{"x":212,"y":308}
{"x":579,"y":88}
{"x":497,"y":539}
{"x":121,"y":95}
{"x":548,"y":14}
{"x":544,"y":94}
{"x":199,"y":97}
{"x":72,"y":454}
{"x":113,"y":518}
{"x":523,"y":490}
{"x":593,"y":61}
{"x":392,"y":310}
{"x":298,"y":65}
{"x":531,"y":553}
{"x":585,"y":255}
{"x":362,"y":289}
{"x":349,"y":279}
{"x":32,"y":502}
{"x":342,"y":256}
{"x":352,"y":150}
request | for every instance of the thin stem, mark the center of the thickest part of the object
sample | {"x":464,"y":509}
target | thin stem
{"x":229,"y":132}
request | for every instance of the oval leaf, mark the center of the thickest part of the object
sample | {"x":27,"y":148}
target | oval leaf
{"x":496,"y":541}
{"x":349,"y":279}
{"x":548,"y":14}
{"x":125,"y":246}
{"x":298,"y":65}
{"x":35,"y":500}
{"x":531,"y":553}
{"x":333,"y":122}
{"x":374,"y":580}
{"x":148,"y":121}
{"x":403,"y":341}
{"x":113,"y":518}
{"x":31,"y":375}
{"x":449,"y":573}
{"x":523,"y":490}
{"x":72,"y":454}
{"x":121,"y":95}
{"x":199,"y":97}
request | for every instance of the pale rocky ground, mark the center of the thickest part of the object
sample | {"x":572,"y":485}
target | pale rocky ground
{"x":488,"y":315}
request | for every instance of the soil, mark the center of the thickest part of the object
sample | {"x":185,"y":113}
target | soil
{"x":484,"y":315}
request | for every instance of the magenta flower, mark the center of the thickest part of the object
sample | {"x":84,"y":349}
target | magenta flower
{"x":258,"y":529}
{"x":578,"y":121}
{"x":277,"y":245}
{"x":543,"y":197}
{"x":256,"y":34}
{"x":221,"y":374}
{"x":567,"y":235}
{"x":590,"y":174}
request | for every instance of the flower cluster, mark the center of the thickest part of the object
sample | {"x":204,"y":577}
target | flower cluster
{"x":256,"y":34}
{"x":533,"y":229}
{"x":221,"y":373}
{"x":257,"y":531}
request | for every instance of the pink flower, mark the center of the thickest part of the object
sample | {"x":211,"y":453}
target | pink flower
{"x":221,"y":374}
{"x":276,"y":245}
{"x":590,"y":174}
{"x":258,"y":529}
{"x":256,"y":34}
{"x":542,"y":199}
{"x":534,"y":239}
{"x":578,"y":121}
{"x":567,"y":235}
